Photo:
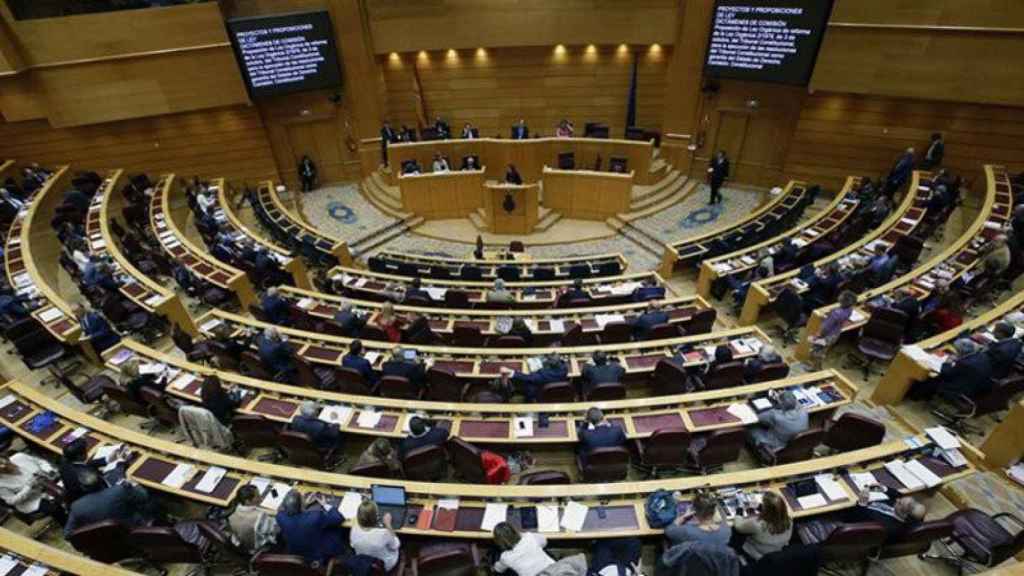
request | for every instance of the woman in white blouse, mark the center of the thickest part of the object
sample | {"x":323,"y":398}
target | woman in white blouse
{"x":522,"y":553}
{"x":373,"y":536}
{"x":23,"y":480}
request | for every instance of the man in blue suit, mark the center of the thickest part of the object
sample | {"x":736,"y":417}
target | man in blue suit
{"x":900,"y":172}
{"x":553,"y":369}
{"x":422,"y":432}
{"x":649,"y":319}
{"x":275,"y":353}
{"x":412,"y":369}
{"x":1004,"y":351}
{"x":354,"y":359}
{"x":315,"y":533}
{"x":277,"y":308}
{"x":520,"y":131}
{"x":126,"y":503}
{"x":601,"y":372}
{"x":96,"y":328}
{"x":648,"y":291}
{"x":325,"y":436}
{"x":597,"y":432}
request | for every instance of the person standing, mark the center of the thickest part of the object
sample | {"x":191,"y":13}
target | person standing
{"x":718,"y":171}
{"x":936,"y":150}
{"x":307,"y":173}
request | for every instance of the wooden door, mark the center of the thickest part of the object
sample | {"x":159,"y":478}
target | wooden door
{"x":732,"y":131}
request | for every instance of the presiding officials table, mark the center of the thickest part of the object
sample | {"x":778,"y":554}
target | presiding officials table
{"x":586,"y":194}
{"x":443,"y":194}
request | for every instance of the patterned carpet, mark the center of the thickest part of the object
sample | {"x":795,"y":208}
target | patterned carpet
{"x":693,"y":216}
{"x":341,"y":211}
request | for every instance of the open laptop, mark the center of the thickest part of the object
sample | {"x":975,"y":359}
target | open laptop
{"x":390,"y":500}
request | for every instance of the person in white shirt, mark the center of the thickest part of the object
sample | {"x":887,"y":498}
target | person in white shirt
{"x":373,"y":536}
{"x":440,"y":164}
{"x":522,"y":553}
{"x":206,"y":200}
{"x":23,"y":480}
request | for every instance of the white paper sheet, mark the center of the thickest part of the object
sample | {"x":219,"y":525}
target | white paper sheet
{"x":335,"y":414}
{"x":534,"y":364}
{"x":182,"y":473}
{"x":50,"y":315}
{"x":260,"y":483}
{"x":436,"y":293}
{"x":305,"y":303}
{"x":183,"y":382}
{"x":349,"y":504}
{"x":923,"y":474}
{"x":812,"y":501}
{"x":36,"y":570}
{"x":742,"y":411}
{"x":368,"y":419}
{"x":943,"y":437}
{"x":448,"y":504}
{"x":210,"y":479}
{"x":7,"y":564}
{"x":494,"y":513}
{"x":77,"y":433}
{"x":898,"y":468}
{"x":209,"y":325}
{"x":557,"y":326}
{"x":152,"y":368}
{"x":832,"y":490}
{"x":7,"y":400}
{"x":762,"y":403}
{"x":606,"y":319}
{"x":523,"y":427}
{"x":574,"y":516}
{"x":547,"y":518}
{"x":272,"y":502}
{"x":372,"y":357}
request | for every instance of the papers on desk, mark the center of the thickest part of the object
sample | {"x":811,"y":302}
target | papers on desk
{"x":494,"y":514}
{"x":436,"y":293}
{"x":748,"y":260}
{"x":953,"y":457}
{"x":908,"y":479}
{"x":942,"y":437}
{"x":36,"y":570}
{"x":761,"y":404}
{"x":276,"y":494}
{"x":152,"y":368}
{"x":827,"y":485}
{"x":349,"y":504}
{"x":359,"y":283}
{"x":606,"y":319}
{"x":908,"y":221}
{"x":722,"y":267}
{"x":547,"y":518}
{"x":863,"y":480}
{"x":7,"y":400}
{"x":812,"y":501}
{"x":98,"y":245}
{"x":260,"y":483}
{"x":335,"y":414}
{"x":742,"y":411}
{"x":183,"y":381}
{"x":305,"y":303}
{"x":741,"y":346}
{"x":925,"y":359}
{"x":625,"y":288}
{"x":798,"y":284}
{"x":77,"y":433}
{"x":372,"y":357}
{"x":22,"y":280}
{"x":574,"y":516}
{"x":208,"y":483}
{"x":856,"y":316}
{"x":368,"y":419}
{"x":992,"y":225}
{"x":50,"y":314}
{"x":557,"y":326}
{"x":106,"y":451}
{"x":929,"y":478}
{"x":210,"y":325}
{"x":1016,"y":473}
{"x":799,"y":242}
{"x":153,"y":300}
{"x":523,"y":427}
{"x":534,"y":364}
{"x":7,"y":564}
{"x":182,"y":473}
{"x":448,"y":504}
{"x":121,"y":356}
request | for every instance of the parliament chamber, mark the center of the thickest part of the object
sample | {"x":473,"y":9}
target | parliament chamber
{"x":529,"y":287}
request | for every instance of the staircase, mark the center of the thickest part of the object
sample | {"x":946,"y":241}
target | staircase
{"x":546,"y":218}
{"x":385,"y":198}
{"x":648,"y":200}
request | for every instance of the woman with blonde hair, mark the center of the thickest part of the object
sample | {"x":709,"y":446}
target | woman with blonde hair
{"x":373,"y":535}
{"x":390,"y":322}
{"x":767,"y":532}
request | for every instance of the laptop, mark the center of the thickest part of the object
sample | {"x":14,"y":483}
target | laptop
{"x":390,"y":500}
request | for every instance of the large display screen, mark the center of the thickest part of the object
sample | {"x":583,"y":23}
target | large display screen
{"x":285,"y":53}
{"x":766,"y":40}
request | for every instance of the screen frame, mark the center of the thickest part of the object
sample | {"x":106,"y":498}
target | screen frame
{"x":726,"y":76}
{"x":239,"y":61}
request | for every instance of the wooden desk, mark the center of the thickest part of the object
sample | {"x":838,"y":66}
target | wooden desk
{"x":960,"y":257}
{"x":529,"y":156}
{"x":440,"y":195}
{"x":607,"y":291}
{"x":524,"y":201}
{"x":1004,"y":445}
{"x":547,"y":326}
{"x":268,"y":206}
{"x":623,"y":501}
{"x":148,"y":294}
{"x":587,"y":195}
{"x":685,"y":254}
{"x":57,"y":561}
{"x":404,"y":264}
{"x":228,"y":218}
{"x":903,"y":221}
{"x":813,"y":230}
{"x":162,"y":216}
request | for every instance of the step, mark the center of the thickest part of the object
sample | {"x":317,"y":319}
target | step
{"x":360,"y":243}
{"x":377,"y":240}
{"x":648,"y":200}
{"x":393,"y":191}
{"x":382,"y":192}
{"x":546,"y":218}
{"x":479,"y":219}
{"x":372,"y":195}
{"x":640,"y":191}
{"x":667,"y":201}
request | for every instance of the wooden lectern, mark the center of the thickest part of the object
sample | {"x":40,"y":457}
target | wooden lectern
{"x":511,"y":208}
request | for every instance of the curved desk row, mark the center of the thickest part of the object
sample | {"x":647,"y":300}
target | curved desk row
{"x":699,"y":412}
{"x":27,"y":553}
{"x":529,"y":156}
{"x":638,"y":358}
{"x":957,"y":261}
{"x":400,"y":264}
{"x":136,"y":286}
{"x":546,"y":326}
{"x":166,"y":230}
{"x":609,"y":291}
{"x":612,"y":509}
{"x":232,"y":223}
{"x":690,"y":252}
{"x":269,"y":210}
{"x":804,"y":236}
{"x":903,"y":221}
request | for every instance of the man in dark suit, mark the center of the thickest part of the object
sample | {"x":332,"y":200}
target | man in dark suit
{"x":313,"y":529}
{"x":416,"y":291}
{"x":596,"y":432}
{"x":907,"y":303}
{"x":601,"y":372}
{"x":553,"y":369}
{"x":718,"y":172}
{"x":649,"y":291}
{"x":575,"y":293}
{"x":653,"y":316}
{"x":897,"y":514}
{"x":422,"y":432}
{"x":77,"y":199}
{"x":325,"y":436}
{"x":520,"y":131}
{"x":970,"y":374}
{"x":73,"y":463}
{"x":900,"y":172}
{"x":126,"y":503}
{"x":354,"y":359}
{"x":275,"y":353}
{"x":350,"y":321}
{"x":786,"y":256}
{"x":1004,"y":351}
{"x":936,"y":150}
{"x":387,"y":136}
{"x":276,"y":307}
{"x":442,"y":129}
{"x":400,"y":365}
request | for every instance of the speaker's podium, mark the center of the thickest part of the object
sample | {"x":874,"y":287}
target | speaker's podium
{"x":511,"y":208}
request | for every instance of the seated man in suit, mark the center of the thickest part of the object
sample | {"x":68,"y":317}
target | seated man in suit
{"x":275,"y":354}
{"x":512,"y":175}
{"x":967,"y":371}
{"x":601,"y":372}
{"x":653,"y":316}
{"x":906,"y":302}
{"x":442,"y":129}
{"x":897,"y":514}
{"x":596,"y":432}
{"x":415,"y":290}
{"x":469,"y":163}
{"x":881,"y":265}
{"x":411,"y":167}
{"x":422,"y":432}
{"x":126,"y":503}
{"x":350,"y":321}
{"x":354,"y":359}
{"x":648,"y":291}
{"x":822,"y":286}
{"x":1004,"y":351}
{"x":499,"y":293}
{"x":439,"y":164}
{"x":786,"y":257}
{"x":96,"y":328}
{"x":403,"y":363}
{"x":520,"y":131}
{"x":325,"y":436}
{"x":468,"y":132}
{"x":765,"y":357}
{"x":780,"y":424}
{"x":276,"y":307}
{"x":312,"y":528}
{"x":553,"y":369}
{"x":74,"y":461}
{"x":575,"y":293}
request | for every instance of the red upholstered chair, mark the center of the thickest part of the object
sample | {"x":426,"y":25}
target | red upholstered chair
{"x":662,"y":332}
{"x":255,"y":431}
{"x":555,"y":392}
{"x":266,"y":564}
{"x":544,"y":477}
{"x":446,"y":559}
{"x":426,"y":463}
{"x":725,"y":375}
{"x":398,"y":387}
{"x":108,"y":542}
{"x":799,"y":448}
{"x":616,"y":333}
{"x":299,"y":449}
{"x":701,"y":322}
{"x":603,"y":464}
{"x":607,"y":391}
{"x":844,"y":543}
{"x":769,"y":372}
{"x":986,"y":540}
{"x":466,"y":461}
{"x":711,"y":452}
{"x":918,"y":539}
{"x":669,"y":378}
{"x":664,"y":450}
{"x":853,"y":432}
{"x":163,"y":545}
{"x":351,"y":381}
{"x":444,"y":386}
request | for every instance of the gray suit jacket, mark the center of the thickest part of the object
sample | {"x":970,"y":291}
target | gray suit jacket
{"x":778,"y":427}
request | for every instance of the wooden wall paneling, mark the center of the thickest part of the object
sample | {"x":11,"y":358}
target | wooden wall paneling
{"x":683,"y":81}
{"x":980,"y":13}
{"x":401,"y":26}
{"x":364,"y":89}
{"x":20,"y":98}
{"x":492,"y":88}
{"x":11,"y":59}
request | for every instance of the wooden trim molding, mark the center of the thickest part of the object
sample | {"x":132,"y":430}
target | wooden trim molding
{"x":925,"y":27}
{"x":127,"y":56}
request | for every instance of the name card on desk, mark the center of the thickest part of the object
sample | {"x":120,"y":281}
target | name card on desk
{"x":181,"y":474}
{"x":209,"y":482}
{"x":812,"y":501}
{"x":574,"y":516}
